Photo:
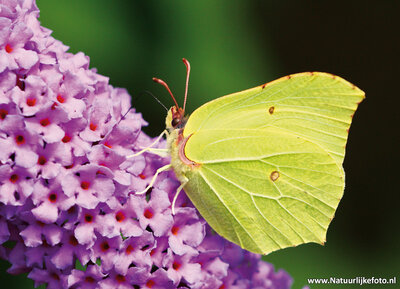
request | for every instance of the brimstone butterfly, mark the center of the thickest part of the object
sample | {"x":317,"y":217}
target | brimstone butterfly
{"x":264,"y":166}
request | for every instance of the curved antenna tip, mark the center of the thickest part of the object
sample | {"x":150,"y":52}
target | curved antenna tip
{"x":186,"y":61}
{"x":187,"y":64}
{"x":162,"y":82}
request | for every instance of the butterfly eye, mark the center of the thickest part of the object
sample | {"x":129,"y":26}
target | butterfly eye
{"x":175,"y":122}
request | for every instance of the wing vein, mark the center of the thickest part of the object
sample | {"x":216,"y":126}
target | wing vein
{"x":251,"y":195}
{"x":231,"y":213}
{"x":294,"y":217}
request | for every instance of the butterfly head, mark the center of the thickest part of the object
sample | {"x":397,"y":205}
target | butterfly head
{"x":175,"y":118}
{"x":176,"y":115}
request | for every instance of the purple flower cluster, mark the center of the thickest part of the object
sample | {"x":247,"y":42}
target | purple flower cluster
{"x":69,"y":215}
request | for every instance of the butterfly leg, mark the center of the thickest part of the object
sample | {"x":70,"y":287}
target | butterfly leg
{"x":160,"y":170}
{"x":160,"y":152}
{"x":150,"y":149}
{"x":178,"y":190}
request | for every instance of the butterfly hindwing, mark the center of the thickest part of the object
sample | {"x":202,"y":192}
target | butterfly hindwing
{"x":283,"y":194}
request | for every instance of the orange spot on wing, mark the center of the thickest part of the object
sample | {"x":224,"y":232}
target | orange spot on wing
{"x":271,"y":110}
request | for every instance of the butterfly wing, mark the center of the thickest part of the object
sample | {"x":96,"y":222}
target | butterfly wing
{"x":270,"y":160}
{"x":317,"y":106}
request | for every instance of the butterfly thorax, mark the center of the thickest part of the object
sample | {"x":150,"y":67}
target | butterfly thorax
{"x":176,"y":145}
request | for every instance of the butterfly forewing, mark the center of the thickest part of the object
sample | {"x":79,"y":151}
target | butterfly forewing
{"x":316,"y":106}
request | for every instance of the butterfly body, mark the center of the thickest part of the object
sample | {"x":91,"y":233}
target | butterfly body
{"x":264,"y":166}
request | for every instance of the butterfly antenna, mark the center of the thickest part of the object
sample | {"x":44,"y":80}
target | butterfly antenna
{"x":162,"y":82}
{"x":157,"y":99}
{"x":187,"y":64}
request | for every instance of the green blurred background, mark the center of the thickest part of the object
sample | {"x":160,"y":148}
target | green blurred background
{"x":236,"y":44}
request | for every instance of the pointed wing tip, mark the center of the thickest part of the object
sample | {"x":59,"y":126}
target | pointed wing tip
{"x":356,"y":89}
{"x":344,"y":81}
